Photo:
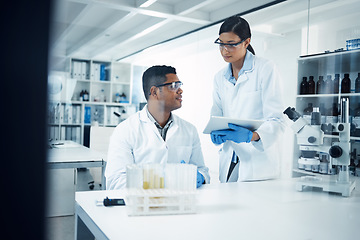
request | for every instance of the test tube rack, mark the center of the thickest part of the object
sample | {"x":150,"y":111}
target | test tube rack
{"x":155,"y":189}
{"x":141,"y":202}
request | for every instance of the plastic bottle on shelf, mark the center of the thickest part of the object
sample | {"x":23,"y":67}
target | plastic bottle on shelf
{"x":311,"y":85}
{"x":117,"y":98}
{"x":87,"y":114}
{"x":96,"y":118}
{"x":102,"y":97}
{"x":86,"y":95}
{"x":328,"y":85}
{"x":322,"y":110}
{"x":307,"y":112}
{"x":333,"y":114}
{"x":357,"y":84}
{"x":320,"y":85}
{"x":123,"y":98}
{"x":81,"y":95}
{"x":346,"y":84}
{"x":336,"y":83}
{"x":304,"y":86}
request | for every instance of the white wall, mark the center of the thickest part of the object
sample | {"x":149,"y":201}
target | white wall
{"x":197,"y":59}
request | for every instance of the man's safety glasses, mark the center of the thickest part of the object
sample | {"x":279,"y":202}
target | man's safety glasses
{"x":173,"y":86}
{"x":228,"y":46}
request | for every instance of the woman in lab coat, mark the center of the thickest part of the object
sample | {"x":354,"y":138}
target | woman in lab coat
{"x":154,"y":134}
{"x":248,"y":88}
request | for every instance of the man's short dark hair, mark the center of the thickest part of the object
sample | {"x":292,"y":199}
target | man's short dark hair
{"x":155,"y":75}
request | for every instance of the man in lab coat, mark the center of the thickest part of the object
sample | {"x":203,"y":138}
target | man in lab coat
{"x":155,"y":134}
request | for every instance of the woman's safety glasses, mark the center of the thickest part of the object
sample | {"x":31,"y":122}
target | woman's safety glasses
{"x":228,"y":46}
{"x":173,"y":86}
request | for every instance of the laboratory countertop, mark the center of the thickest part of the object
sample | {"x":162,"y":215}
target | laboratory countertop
{"x":246,"y":210}
{"x":69,"y":151}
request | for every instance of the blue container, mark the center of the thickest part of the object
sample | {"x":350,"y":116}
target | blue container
{"x":103,"y":73}
{"x":353,"y":44}
{"x":87,"y":114}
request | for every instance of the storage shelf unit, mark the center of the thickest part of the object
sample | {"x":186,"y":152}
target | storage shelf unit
{"x":323,"y":65}
{"x":109,"y":89}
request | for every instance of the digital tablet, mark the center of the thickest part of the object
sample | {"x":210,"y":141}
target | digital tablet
{"x":221,"y":123}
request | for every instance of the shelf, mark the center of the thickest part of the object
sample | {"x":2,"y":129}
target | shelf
{"x":70,"y":124}
{"x":82,"y":80}
{"x":89,"y":102}
{"x":328,"y":95}
{"x":109,"y":104}
{"x":114,"y":104}
{"x":324,"y":64}
{"x":94,"y":81}
{"x":121,"y":83}
{"x":102,"y":80}
{"x":343,"y":54}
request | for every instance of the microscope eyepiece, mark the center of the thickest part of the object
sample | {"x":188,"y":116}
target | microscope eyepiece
{"x":292,"y":114}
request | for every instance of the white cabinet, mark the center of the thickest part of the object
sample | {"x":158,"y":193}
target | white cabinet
{"x":61,"y":192}
{"x":91,"y":92}
{"x":103,"y":81}
{"x":329,"y":64}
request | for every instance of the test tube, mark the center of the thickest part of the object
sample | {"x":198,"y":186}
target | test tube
{"x":170,"y":176}
{"x":146,"y":176}
{"x":153,"y":176}
{"x":134,"y":176}
{"x":162,"y":179}
{"x":180,"y":176}
{"x":158,"y":176}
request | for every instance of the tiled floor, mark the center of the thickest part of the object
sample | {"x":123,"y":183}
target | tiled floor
{"x":60,"y":228}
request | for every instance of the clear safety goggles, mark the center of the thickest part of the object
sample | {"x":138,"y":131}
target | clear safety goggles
{"x":173,"y":86}
{"x":228,"y":46}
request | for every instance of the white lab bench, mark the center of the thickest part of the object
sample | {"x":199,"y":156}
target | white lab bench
{"x":246,"y":210}
{"x":63,"y":159}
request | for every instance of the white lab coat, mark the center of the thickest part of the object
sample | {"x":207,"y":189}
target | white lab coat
{"x":256,"y":95}
{"x":137,"y":140}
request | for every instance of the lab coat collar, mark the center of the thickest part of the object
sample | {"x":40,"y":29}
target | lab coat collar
{"x":145,"y":118}
{"x":247,"y":67}
{"x":152,"y":119}
{"x":143,"y":115}
{"x":248,"y":63}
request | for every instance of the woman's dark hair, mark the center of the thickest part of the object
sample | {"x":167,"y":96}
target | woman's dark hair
{"x":239,"y":26}
{"x":154,"y":76}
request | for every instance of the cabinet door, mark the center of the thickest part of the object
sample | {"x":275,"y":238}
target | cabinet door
{"x":61,"y":192}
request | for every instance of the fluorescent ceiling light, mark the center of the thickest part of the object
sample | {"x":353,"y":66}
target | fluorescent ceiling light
{"x":147,"y":3}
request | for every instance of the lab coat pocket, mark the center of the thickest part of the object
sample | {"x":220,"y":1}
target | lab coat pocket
{"x":179,"y":153}
{"x":251,"y":105}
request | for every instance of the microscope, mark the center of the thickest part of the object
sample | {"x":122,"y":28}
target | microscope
{"x":310,"y":139}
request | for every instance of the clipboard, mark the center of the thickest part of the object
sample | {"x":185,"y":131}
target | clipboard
{"x":221,"y":123}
